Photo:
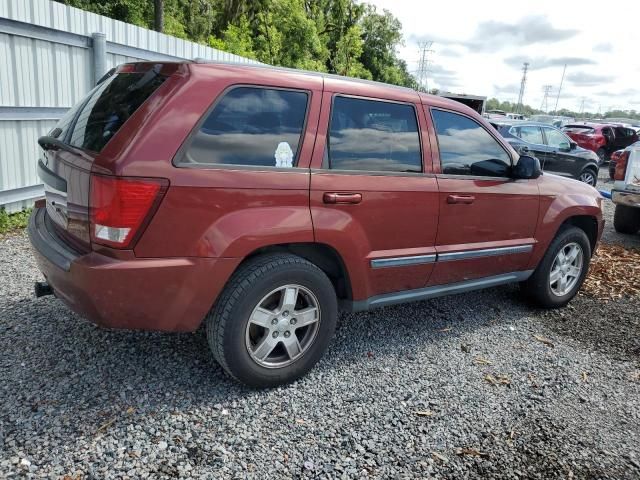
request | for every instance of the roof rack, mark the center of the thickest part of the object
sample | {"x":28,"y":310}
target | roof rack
{"x":304,"y":72}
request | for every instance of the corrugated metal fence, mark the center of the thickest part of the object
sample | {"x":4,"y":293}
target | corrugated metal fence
{"x":48,"y":62}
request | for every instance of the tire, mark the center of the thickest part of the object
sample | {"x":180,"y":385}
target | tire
{"x":589,"y":176}
{"x":538,"y":286}
{"x":602,"y":155}
{"x":234,"y":340}
{"x":626,"y":219}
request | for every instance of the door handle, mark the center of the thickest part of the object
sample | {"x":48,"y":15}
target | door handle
{"x":462,"y":199}
{"x":342,"y":198}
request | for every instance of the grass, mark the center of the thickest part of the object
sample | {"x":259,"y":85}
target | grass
{"x":10,"y":222}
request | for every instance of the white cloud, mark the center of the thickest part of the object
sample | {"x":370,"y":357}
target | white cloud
{"x":480,"y":46}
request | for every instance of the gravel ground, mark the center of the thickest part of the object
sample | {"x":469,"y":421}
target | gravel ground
{"x":476,"y":385}
{"x":610,"y":235}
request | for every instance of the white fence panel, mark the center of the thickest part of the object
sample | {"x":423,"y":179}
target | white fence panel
{"x":47,"y":64}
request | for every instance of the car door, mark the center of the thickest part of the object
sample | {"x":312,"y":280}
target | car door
{"x":531,"y":136}
{"x":372,"y":199}
{"x":559,"y":158}
{"x":487,"y":219}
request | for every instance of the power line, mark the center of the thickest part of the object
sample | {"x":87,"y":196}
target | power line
{"x":423,"y":65}
{"x":560,"y":88}
{"x":522,"y":85}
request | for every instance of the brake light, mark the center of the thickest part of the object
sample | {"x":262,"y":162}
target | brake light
{"x":121,"y":206}
{"x":621,"y":166}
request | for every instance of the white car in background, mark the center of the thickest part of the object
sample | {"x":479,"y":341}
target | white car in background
{"x":626,"y":190}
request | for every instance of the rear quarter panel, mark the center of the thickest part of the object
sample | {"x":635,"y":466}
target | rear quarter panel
{"x":219,"y":211}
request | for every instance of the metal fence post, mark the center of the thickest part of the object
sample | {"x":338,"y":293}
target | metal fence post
{"x":99,"y":55}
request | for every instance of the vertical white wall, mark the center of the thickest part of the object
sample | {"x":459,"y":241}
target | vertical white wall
{"x":46,"y":66}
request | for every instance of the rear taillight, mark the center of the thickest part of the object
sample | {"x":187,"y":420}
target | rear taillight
{"x":120,"y":207}
{"x":621,"y":166}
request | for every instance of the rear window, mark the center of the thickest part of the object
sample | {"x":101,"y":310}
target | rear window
{"x":96,"y":119}
{"x":251,"y":126}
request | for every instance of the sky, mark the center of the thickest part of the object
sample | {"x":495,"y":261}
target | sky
{"x":479,"y":48}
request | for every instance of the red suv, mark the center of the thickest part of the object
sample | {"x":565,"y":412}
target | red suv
{"x":604,"y":139}
{"x":261,"y":201}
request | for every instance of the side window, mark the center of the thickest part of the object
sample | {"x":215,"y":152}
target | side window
{"x":466,"y":148}
{"x":528,"y":133}
{"x":251,"y":126}
{"x":555,"y":138}
{"x":373,"y":136}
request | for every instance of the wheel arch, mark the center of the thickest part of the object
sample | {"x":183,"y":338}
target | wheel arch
{"x":323,"y":256}
{"x":586,"y":223}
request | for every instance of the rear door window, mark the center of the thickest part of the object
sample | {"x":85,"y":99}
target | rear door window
{"x":374,"y":135}
{"x":251,"y":126}
{"x":109,"y":106}
{"x":529,"y":133}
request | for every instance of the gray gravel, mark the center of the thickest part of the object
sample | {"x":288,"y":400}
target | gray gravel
{"x":610,"y":235}
{"x":80,"y":400}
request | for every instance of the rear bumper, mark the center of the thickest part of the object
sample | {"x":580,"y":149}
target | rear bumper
{"x":630,"y":199}
{"x":172,"y":294}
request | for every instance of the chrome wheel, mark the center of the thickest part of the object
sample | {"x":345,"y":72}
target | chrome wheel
{"x":588,"y":177}
{"x":566,"y":269}
{"x":282,"y":326}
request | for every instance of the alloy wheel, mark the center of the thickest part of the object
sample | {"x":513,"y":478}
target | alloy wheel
{"x":282,"y":326}
{"x":588,"y":178}
{"x":566,"y":269}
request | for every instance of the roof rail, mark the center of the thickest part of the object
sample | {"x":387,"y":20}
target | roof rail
{"x":299,"y":71}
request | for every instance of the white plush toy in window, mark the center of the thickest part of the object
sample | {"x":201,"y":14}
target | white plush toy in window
{"x":284,"y":155}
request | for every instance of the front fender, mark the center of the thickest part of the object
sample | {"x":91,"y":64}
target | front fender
{"x":560,"y":200}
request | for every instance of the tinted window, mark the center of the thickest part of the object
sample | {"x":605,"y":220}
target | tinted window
{"x":528,"y":133}
{"x":466,"y":148}
{"x":555,"y":138}
{"x":252,"y":126}
{"x":110,"y":105}
{"x":374,"y":136}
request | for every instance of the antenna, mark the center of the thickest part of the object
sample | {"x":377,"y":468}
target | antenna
{"x":522,"y":85}
{"x":544,"y":106}
{"x":559,"y":89}
{"x":423,"y":65}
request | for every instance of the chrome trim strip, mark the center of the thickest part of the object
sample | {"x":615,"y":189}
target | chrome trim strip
{"x":403,"y":261}
{"x":485,"y":252}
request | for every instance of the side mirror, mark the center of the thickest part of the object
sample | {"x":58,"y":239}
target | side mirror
{"x":573,"y":146}
{"x":564,"y":146}
{"x":527,"y":168}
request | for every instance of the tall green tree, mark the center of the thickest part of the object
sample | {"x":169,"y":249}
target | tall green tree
{"x":347,"y":37}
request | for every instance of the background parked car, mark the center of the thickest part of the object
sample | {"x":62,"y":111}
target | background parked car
{"x":612,"y":162}
{"x":557,"y":153}
{"x":604,"y":139}
{"x":554,"y":120}
{"x":626,"y":190}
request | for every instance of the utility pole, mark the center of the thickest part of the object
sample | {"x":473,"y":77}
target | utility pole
{"x":158,"y":15}
{"x":544,"y":106}
{"x":522,"y":85}
{"x":582,"y":108}
{"x":423,"y":65}
{"x":559,"y":89}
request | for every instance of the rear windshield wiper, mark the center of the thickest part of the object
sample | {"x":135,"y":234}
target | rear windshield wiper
{"x":52,"y":143}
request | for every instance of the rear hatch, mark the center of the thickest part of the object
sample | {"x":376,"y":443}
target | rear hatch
{"x":71,"y":148}
{"x":580,"y":133}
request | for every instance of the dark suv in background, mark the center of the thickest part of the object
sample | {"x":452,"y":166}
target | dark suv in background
{"x":557,"y":153}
